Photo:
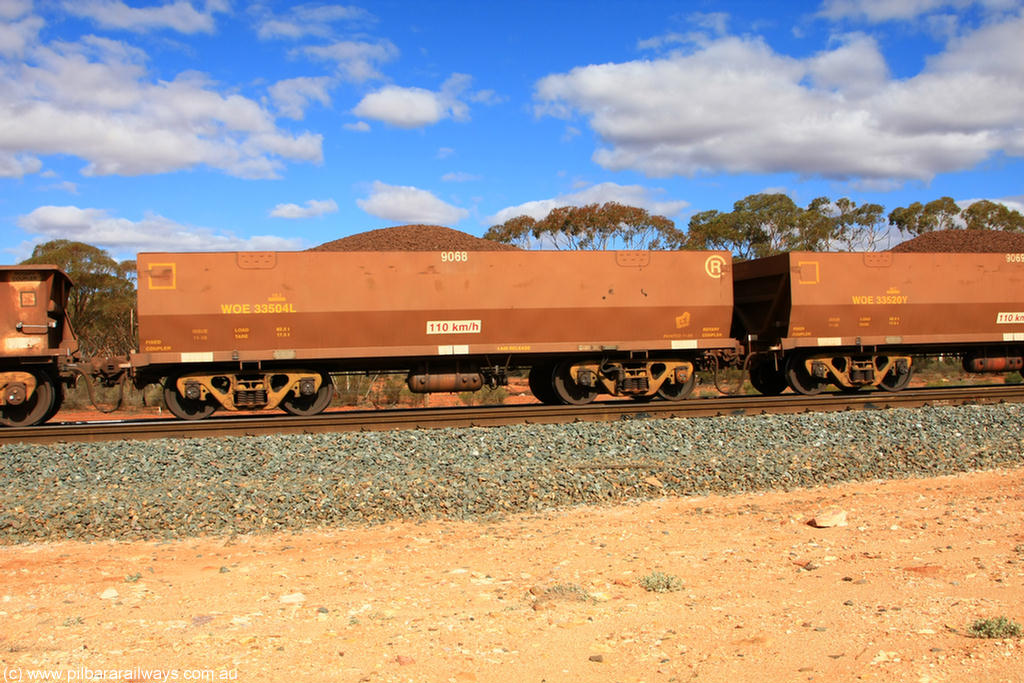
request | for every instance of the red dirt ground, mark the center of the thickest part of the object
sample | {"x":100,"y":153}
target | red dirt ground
{"x":551,"y":597}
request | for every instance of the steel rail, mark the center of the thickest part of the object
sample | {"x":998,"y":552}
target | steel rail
{"x":433,"y":418}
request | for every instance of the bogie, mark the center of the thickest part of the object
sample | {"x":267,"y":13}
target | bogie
{"x":577,"y":382}
{"x":195,"y":396}
{"x":809,"y":374}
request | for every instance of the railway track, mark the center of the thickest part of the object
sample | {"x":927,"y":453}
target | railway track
{"x":433,"y":418}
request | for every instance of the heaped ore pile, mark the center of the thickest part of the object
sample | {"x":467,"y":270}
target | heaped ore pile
{"x":413,"y":238}
{"x":966,"y":242}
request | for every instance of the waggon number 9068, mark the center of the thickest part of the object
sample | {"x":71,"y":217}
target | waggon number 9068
{"x":454,"y":256}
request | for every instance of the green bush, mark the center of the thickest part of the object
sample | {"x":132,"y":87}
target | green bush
{"x":1000,"y":627}
{"x":565,"y":591}
{"x":77,"y":396}
{"x":484,"y":397}
{"x":658,"y":582}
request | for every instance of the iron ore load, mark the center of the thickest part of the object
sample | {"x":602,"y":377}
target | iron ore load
{"x":268,"y":330}
{"x":247,"y":331}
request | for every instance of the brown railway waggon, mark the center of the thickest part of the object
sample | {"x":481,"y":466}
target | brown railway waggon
{"x":235,"y":331}
{"x":36,"y":340}
{"x":852,"y":320}
{"x":269,"y":330}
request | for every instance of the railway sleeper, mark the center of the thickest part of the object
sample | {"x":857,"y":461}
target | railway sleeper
{"x":850,"y":372}
{"x":300,"y":392}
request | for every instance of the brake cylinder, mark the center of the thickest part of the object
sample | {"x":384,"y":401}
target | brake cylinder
{"x":426,"y":383}
{"x":993,"y":363}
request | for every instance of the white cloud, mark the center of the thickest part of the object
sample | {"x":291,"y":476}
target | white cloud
{"x":1012,"y":203}
{"x":312,"y":209}
{"x":486,"y":97}
{"x":309,"y":20}
{"x":95,"y":100}
{"x":878,"y":11}
{"x":416,"y":107}
{"x":707,"y":26}
{"x":357,"y":127}
{"x":409,"y":205}
{"x":459,"y":177}
{"x":179,"y":16}
{"x":715,"y":22}
{"x":16,"y":36}
{"x":664,"y":40}
{"x":65,"y":186}
{"x":126,"y":237}
{"x":737,"y":106}
{"x":996,"y":49}
{"x":12,"y":9}
{"x":630,"y":195}
{"x":291,"y":96}
{"x":402,"y":107}
{"x":12,"y":166}
{"x":1015,"y":203}
{"x":855,"y":68}
{"x":356,"y":61}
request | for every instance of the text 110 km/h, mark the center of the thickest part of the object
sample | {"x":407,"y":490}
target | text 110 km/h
{"x":453,"y":327}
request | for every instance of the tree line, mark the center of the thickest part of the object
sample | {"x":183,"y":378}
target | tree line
{"x":759,"y":225}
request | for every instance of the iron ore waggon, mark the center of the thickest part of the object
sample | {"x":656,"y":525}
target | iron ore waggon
{"x":853,"y":320}
{"x":261,"y":330}
{"x":36,"y":340}
{"x":266,"y":330}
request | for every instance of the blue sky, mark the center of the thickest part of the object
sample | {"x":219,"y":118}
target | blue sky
{"x":220,"y":124}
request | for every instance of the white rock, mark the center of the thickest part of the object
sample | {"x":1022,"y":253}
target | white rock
{"x":829,"y":517}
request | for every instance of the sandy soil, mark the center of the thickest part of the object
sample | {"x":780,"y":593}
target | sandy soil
{"x":553,"y":597}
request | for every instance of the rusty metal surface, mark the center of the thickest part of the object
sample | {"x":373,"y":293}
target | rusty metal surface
{"x":32,"y":301}
{"x":492,"y":416}
{"x":245,"y":306}
{"x":852,"y":299}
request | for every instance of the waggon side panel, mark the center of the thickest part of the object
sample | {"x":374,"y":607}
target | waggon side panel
{"x":886,"y":298}
{"x":32,"y":322}
{"x":323,"y":305}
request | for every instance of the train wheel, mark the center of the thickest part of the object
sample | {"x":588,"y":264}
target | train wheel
{"x":568,"y":391}
{"x":185,"y":408}
{"x":34,"y":410}
{"x":799,"y":379}
{"x":58,"y":401}
{"x":766,"y":379}
{"x":541,"y":383}
{"x":895,"y":382}
{"x":676,"y":391}
{"x":313,"y":404}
